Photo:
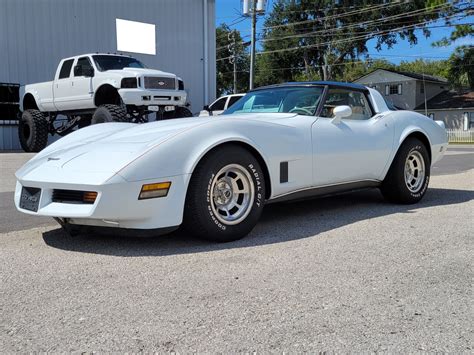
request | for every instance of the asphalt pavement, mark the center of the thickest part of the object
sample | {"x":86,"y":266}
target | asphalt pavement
{"x":348,"y":273}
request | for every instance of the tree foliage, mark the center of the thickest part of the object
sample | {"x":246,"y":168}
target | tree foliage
{"x":224,"y":70}
{"x":325,"y":35}
{"x":460,"y":70}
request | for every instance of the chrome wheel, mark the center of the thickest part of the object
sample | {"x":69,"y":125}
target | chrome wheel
{"x":232,"y":194}
{"x":414,"y":171}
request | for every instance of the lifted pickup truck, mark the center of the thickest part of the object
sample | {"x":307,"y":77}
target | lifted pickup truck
{"x":97,"y":88}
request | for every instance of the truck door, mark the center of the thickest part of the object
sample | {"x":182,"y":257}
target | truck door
{"x":82,"y":92}
{"x":62,"y":86}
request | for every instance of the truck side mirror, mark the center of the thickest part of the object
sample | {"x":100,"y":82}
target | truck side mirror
{"x":88,"y":72}
{"x":206,"y":108}
{"x":77,"y":70}
{"x":80,"y":70}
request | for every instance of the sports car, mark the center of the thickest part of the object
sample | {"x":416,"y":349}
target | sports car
{"x":214,"y":175}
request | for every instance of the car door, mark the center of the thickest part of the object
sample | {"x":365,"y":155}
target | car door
{"x":232,"y":100}
{"x":218,"y":106}
{"x":62,"y":87}
{"x":356,"y":148}
{"x":82,"y":92}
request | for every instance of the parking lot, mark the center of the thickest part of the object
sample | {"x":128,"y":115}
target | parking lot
{"x":345,"y":273}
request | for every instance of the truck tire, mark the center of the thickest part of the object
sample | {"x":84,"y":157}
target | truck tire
{"x":109,"y":113}
{"x":33,"y":131}
{"x":181,"y":112}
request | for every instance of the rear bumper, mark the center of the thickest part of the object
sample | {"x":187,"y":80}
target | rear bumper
{"x":143,"y":97}
{"x":116,"y":206}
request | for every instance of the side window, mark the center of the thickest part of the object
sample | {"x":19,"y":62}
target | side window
{"x":219,"y":104}
{"x":66,"y":69}
{"x":82,"y":64}
{"x":356,"y":100}
{"x":233,"y":100}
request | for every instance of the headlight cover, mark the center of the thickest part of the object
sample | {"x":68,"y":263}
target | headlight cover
{"x":128,"y":83}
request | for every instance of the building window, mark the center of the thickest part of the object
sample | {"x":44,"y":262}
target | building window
{"x":393,"y":89}
{"x":422,"y":88}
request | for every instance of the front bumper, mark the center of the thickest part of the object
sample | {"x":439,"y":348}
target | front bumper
{"x":116,"y":206}
{"x":144,"y":97}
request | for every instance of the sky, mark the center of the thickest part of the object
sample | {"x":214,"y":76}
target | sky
{"x":230,"y":11}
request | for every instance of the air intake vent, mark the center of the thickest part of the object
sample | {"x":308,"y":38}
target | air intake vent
{"x":74,"y":196}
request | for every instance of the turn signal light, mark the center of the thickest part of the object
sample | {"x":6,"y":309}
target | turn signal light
{"x":159,"y":189}
{"x":89,"y":196}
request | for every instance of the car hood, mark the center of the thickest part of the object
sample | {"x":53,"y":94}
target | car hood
{"x":103,"y":150}
{"x":140,"y":71}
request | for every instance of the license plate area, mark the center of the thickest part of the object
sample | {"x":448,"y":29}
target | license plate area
{"x":30,"y":198}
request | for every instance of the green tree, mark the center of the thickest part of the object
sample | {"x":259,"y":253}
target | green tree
{"x":461,"y":67}
{"x":302,"y":38}
{"x":225,"y":68}
{"x":460,"y":70}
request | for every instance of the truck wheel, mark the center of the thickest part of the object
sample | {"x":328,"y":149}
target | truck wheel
{"x":182,"y":112}
{"x":226,"y":195}
{"x":33,"y":131}
{"x":109,"y":113}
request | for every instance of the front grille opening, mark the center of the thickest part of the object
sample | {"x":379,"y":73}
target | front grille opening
{"x":159,"y":82}
{"x":74,"y":196}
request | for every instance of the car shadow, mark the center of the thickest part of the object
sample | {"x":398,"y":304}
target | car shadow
{"x":279,"y":223}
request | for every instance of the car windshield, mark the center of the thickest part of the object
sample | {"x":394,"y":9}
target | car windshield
{"x":300,"y":100}
{"x":110,"y":62}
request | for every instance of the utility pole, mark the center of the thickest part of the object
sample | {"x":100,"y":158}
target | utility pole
{"x":233,"y":55}
{"x":252,"y":50}
{"x":235,"y":64}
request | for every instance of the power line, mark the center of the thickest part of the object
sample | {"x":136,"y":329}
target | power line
{"x":354,"y":25}
{"x":373,"y":34}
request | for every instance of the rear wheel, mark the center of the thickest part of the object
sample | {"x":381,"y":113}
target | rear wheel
{"x":225,"y":196}
{"x":109,"y":113}
{"x":407,"y":180}
{"x":33,"y":131}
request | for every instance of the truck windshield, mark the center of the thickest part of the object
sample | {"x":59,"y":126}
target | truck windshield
{"x":300,"y":100}
{"x":117,"y":62}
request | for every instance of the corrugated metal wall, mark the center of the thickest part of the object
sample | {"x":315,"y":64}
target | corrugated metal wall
{"x":36,"y":34}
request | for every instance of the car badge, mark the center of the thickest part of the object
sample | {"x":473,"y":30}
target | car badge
{"x":53,"y":159}
{"x":161,"y":83}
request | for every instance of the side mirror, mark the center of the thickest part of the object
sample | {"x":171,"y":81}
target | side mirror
{"x":77,"y":70}
{"x":340,"y":112}
{"x":206,"y":108}
{"x":80,"y":70}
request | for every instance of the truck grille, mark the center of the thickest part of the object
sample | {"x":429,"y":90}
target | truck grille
{"x":156,"y":82}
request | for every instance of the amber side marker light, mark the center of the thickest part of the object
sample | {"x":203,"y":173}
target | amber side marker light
{"x":89,"y":196}
{"x":159,"y":189}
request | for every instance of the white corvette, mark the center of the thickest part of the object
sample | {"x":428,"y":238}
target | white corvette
{"x":214,"y":175}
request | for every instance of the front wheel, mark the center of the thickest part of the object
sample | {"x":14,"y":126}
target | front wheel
{"x":33,"y":131}
{"x":109,"y":113}
{"x":226,"y":195}
{"x":407,"y":180}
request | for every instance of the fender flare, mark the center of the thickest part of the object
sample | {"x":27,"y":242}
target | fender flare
{"x":108,"y":82}
{"x":35,"y":97}
{"x":408,"y":131}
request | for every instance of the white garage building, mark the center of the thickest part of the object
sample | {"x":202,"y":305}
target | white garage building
{"x":36,"y":35}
